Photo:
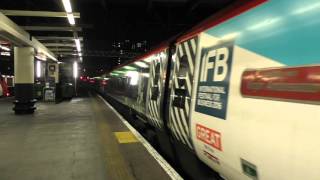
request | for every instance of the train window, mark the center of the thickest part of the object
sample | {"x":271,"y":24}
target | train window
{"x":181,"y":92}
{"x":179,"y":102}
{"x":10,"y":82}
{"x":180,"y":98}
{"x":155,"y":93}
{"x":157,"y":74}
{"x":183,"y":70}
{"x":181,"y":81}
{"x":286,"y":83}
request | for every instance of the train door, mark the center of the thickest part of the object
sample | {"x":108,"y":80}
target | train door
{"x":142,"y":88}
{"x":155,"y":93}
{"x":181,"y":85}
{"x":181,"y":79}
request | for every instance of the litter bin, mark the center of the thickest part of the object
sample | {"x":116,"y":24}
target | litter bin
{"x":67,"y":91}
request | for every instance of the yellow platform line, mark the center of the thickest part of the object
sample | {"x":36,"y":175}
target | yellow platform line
{"x":162,"y":162}
{"x":116,"y":166}
{"x":126,"y":137}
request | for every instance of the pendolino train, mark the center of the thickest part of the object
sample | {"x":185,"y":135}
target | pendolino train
{"x":239,"y":93}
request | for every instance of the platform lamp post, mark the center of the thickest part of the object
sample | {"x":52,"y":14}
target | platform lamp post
{"x":75,"y":75}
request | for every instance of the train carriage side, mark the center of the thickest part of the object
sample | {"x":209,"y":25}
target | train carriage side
{"x":139,"y":90}
{"x":255,"y":105}
{"x":243,"y":93}
{"x":155,"y":98}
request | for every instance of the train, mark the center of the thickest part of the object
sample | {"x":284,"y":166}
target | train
{"x":236,"y":96}
{"x":6,"y":85}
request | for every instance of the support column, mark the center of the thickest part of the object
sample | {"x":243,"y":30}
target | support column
{"x":24,"y":80}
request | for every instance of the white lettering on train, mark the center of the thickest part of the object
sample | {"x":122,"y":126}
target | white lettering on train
{"x":217,"y":60}
{"x":209,"y":136}
{"x":212,"y":89}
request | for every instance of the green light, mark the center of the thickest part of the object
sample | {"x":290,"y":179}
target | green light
{"x":114,"y":74}
{"x":119,"y":72}
{"x":129,"y":68}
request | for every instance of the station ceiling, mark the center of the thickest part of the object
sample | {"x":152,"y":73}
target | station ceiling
{"x":137,"y":25}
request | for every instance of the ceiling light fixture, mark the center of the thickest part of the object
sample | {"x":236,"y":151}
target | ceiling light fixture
{"x":75,"y":69}
{"x":129,"y":68}
{"x":5,"y":48}
{"x":38,"y":69}
{"x":77,"y":41}
{"x":5,"y":53}
{"x":67,"y":6}
{"x":41,"y":57}
{"x":71,"y":19}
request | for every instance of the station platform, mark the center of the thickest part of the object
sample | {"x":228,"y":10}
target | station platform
{"x":82,"y":139}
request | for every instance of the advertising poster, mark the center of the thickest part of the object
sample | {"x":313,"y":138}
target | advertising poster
{"x":214,"y":76}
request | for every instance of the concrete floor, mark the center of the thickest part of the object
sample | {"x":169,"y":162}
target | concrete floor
{"x":71,"y":140}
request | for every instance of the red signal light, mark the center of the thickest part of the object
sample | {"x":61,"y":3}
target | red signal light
{"x":104,"y":82}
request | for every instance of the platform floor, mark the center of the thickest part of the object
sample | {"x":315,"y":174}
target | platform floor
{"x":81,"y":139}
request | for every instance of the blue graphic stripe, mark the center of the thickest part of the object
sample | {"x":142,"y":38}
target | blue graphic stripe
{"x":287,"y":31}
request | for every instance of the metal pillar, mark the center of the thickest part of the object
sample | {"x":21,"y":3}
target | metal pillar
{"x":24,"y":80}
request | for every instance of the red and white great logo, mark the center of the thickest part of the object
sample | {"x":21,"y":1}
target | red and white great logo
{"x":209,"y":136}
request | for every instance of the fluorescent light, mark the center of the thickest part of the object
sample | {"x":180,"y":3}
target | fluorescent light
{"x":118,"y":71}
{"x":114,"y":74}
{"x":71,"y":19}
{"x":264,"y":23}
{"x":5,"y":48}
{"x":78,"y":45}
{"x":38,"y":68}
{"x":67,"y":6}
{"x":41,"y":57}
{"x":129,"y":68}
{"x":5,"y":54}
{"x":80,"y":54}
{"x":141,"y":64}
{"x":75,"y":69}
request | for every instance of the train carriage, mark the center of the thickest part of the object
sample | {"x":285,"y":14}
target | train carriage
{"x":4,"y":88}
{"x":239,"y":93}
{"x":4,"y":91}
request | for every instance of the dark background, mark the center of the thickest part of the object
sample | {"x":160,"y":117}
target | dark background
{"x":127,"y":27}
